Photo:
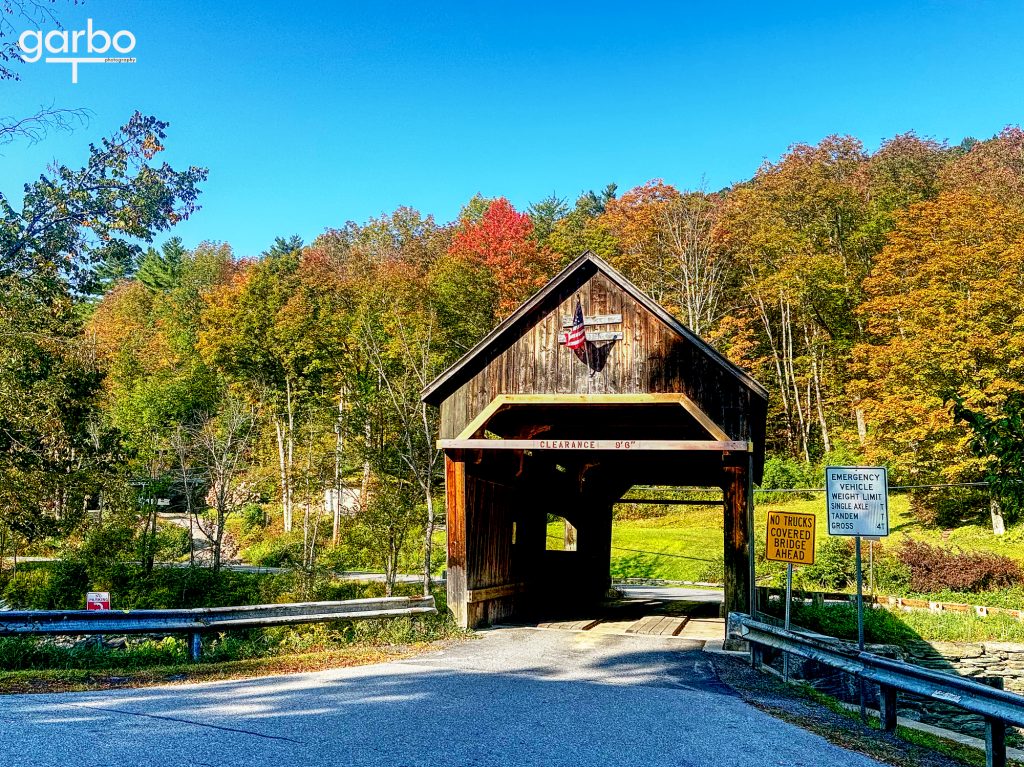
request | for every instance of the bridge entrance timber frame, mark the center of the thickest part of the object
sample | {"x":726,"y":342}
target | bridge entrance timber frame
{"x":530,"y":428}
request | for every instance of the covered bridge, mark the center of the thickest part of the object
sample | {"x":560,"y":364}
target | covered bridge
{"x":531,"y":426}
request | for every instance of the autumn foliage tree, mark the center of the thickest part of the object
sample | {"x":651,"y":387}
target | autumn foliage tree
{"x":502,"y":243}
{"x":945,"y":314}
{"x":667,"y":245}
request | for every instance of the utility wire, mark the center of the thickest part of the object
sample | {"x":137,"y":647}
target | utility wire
{"x":893,"y":487}
{"x":652,"y":553}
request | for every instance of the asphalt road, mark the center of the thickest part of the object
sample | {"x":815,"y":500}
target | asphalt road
{"x":511,"y":697}
{"x":683,"y":593}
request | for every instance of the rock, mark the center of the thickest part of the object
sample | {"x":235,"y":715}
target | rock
{"x":1003,"y":647}
{"x":958,"y":649}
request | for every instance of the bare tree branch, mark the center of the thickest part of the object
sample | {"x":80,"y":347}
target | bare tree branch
{"x":36,"y":13}
{"x":37,"y":127}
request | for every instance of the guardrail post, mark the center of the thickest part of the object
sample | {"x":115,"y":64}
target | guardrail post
{"x":995,"y":730}
{"x":762,"y":601}
{"x":995,"y":742}
{"x":887,"y":707}
{"x":756,"y":655}
{"x":195,"y":646}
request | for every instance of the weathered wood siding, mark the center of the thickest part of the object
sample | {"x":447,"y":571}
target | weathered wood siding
{"x":650,"y":357}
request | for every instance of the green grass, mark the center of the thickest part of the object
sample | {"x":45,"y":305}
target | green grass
{"x":951,"y":748}
{"x":687,"y":545}
{"x":680,"y":546}
{"x":959,"y":627}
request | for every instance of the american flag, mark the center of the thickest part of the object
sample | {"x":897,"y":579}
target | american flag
{"x":577,"y":335}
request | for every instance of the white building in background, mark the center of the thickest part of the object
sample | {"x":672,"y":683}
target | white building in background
{"x":349,"y":500}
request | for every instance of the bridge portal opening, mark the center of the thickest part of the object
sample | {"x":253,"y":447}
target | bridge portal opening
{"x":667,"y":533}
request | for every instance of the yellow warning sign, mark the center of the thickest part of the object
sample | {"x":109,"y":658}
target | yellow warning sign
{"x":790,"y":537}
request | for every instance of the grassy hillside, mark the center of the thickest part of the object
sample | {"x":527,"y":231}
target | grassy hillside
{"x":686,"y":543}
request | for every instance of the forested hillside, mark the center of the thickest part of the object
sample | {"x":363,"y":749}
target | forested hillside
{"x":878,"y":295}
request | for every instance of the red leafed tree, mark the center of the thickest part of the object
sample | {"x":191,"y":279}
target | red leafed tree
{"x":501,"y":241}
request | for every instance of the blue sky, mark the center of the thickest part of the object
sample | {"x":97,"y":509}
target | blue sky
{"x":311,"y":114}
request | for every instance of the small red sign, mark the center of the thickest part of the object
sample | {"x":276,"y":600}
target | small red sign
{"x":97,"y":600}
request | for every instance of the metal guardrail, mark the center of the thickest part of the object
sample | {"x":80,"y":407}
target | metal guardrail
{"x":997,"y":706}
{"x":200,"y":620}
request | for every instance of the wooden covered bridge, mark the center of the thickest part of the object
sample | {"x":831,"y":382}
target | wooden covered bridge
{"x":531,"y":426}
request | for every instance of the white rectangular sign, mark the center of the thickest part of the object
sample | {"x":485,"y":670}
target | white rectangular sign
{"x":97,"y":600}
{"x":858,"y":500}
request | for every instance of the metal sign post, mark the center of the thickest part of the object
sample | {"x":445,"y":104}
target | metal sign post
{"x":857,"y":499}
{"x":860,"y":627}
{"x":789,"y":539}
{"x":789,"y":602}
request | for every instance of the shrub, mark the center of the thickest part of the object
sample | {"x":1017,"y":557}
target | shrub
{"x":253,"y":517}
{"x":279,"y":551}
{"x":840,"y":621}
{"x":106,"y":545}
{"x":55,"y":586}
{"x":950,"y":506}
{"x":891,"y":575}
{"x":784,"y":474}
{"x":933,"y":569}
{"x":834,"y":564}
{"x":635,"y":511}
{"x":172,"y":543}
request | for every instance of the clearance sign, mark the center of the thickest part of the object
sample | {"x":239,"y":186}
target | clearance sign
{"x":790,"y":538}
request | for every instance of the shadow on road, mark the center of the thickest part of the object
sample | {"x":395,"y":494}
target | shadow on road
{"x":514,"y":696}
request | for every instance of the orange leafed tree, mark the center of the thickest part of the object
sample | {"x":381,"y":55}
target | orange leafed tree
{"x":501,"y":242}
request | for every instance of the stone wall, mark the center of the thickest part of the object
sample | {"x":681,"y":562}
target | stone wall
{"x":972,"y":659}
{"x":984,"y":661}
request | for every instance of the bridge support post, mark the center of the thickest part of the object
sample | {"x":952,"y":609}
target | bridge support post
{"x":738,"y":548}
{"x":455,"y":488}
